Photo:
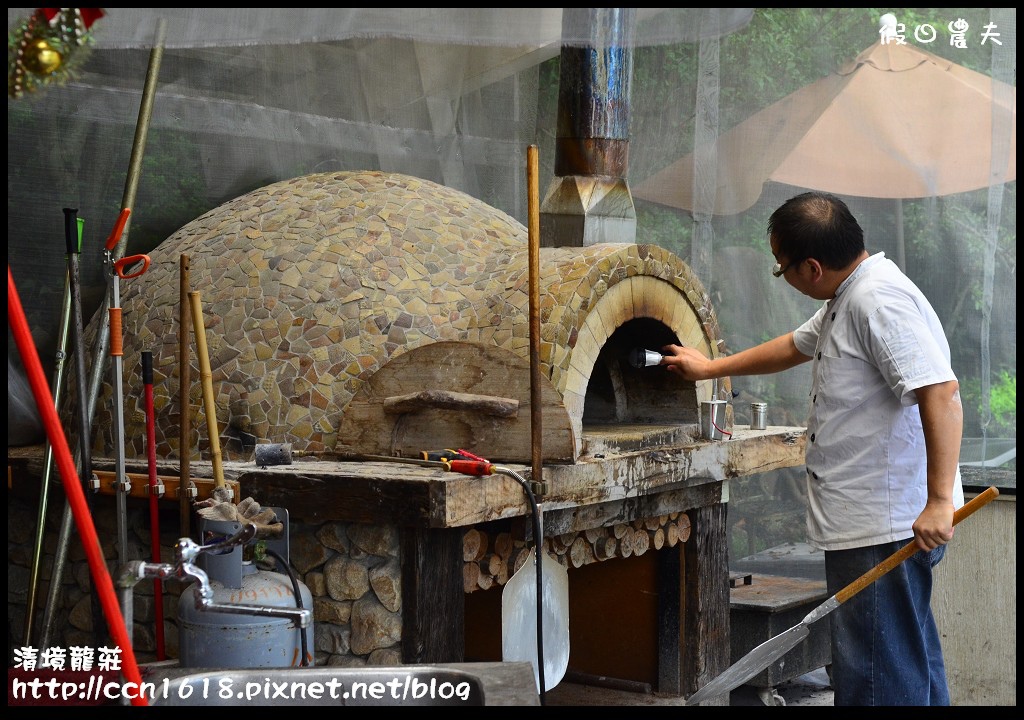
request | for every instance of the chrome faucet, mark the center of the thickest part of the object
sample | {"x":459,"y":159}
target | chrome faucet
{"x":186,"y":553}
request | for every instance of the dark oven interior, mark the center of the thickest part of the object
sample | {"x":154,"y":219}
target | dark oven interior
{"x":621,"y":394}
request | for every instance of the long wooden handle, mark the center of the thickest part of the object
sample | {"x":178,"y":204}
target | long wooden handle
{"x":533,"y":198}
{"x":199,"y":327}
{"x":910,"y":548}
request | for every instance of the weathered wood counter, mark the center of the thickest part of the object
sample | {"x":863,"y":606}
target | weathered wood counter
{"x":626,"y":473}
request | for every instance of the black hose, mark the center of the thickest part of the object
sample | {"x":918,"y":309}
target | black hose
{"x":538,"y":543}
{"x":298,"y":602}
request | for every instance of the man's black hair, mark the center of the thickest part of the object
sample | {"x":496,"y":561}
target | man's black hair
{"x":817,"y":225}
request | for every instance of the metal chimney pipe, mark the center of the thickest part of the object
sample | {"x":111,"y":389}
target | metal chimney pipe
{"x":589,"y":200}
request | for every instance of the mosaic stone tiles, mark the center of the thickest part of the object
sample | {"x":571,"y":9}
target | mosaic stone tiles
{"x":309,"y":286}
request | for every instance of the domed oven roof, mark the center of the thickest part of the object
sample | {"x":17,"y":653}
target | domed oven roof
{"x":310,"y":286}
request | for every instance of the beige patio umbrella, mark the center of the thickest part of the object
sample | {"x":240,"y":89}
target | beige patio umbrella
{"x":897,"y":122}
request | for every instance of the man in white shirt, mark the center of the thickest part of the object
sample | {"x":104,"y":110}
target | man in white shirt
{"x":883,"y":443}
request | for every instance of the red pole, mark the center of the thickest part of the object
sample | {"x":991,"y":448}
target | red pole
{"x":154,"y":494}
{"x":72,"y":486}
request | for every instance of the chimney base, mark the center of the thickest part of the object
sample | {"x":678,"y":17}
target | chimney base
{"x":584,"y":210}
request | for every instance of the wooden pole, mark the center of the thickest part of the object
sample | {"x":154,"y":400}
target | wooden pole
{"x":533,"y":198}
{"x":207,"y":378}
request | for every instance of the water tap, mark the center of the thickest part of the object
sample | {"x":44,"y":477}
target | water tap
{"x":187,"y":552}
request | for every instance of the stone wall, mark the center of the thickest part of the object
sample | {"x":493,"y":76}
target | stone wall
{"x":71,"y":624}
{"x":354,"y":574}
{"x":352,"y":571}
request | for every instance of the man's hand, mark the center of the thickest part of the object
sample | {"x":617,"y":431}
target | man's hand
{"x":768,"y":357}
{"x":686,"y":362}
{"x":934,"y":526}
{"x":942,"y":420}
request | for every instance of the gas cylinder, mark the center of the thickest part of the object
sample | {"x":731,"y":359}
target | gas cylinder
{"x":242,"y":640}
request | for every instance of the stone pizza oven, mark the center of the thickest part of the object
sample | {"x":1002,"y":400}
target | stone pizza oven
{"x":368,"y":312}
{"x":357,"y":315}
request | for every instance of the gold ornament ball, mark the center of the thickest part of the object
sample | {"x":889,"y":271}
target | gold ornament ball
{"x":41,"y":58}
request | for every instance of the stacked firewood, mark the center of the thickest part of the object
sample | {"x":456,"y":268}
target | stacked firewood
{"x":491,"y":559}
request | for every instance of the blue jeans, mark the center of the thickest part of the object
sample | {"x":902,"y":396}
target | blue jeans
{"x":885,"y":646}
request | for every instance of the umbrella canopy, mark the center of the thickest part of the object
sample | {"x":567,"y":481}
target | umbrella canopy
{"x":897,"y":122}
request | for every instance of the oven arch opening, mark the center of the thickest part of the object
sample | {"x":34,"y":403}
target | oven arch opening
{"x":620,"y":394}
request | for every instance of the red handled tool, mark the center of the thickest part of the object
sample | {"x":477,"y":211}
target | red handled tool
{"x":72,"y":486}
{"x":439,"y":455}
{"x":471,"y":456}
{"x":466,"y":467}
{"x":469,"y":467}
{"x":448,"y":454}
{"x":122,"y":485}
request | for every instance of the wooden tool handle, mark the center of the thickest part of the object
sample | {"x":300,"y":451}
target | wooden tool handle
{"x":206,"y":375}
{"x":536,"y":372}
{"x":909,"y":549}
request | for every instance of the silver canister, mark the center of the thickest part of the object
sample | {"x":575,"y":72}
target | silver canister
{"x":712,"y":419}
{"x":758,"y":416}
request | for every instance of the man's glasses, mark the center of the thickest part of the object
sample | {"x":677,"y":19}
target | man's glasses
{"x":779,"y":271}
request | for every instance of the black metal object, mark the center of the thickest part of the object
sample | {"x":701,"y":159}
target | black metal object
{"x":769,"y":605}
{"x":589,"y":200}
{"x":73,"y":240}
{"x":593,"y":94}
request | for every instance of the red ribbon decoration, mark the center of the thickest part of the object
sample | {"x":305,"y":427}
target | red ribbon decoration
{"x":89,"y":15}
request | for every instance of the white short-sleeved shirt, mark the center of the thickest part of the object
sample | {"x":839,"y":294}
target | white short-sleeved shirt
{"x":872,"y":346}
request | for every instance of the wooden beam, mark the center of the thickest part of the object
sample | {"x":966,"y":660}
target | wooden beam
{"x":671,"y":648}
{"x":705,"y":601}
{"x":629,"y":484}
{"x":140,"y":485}
{"x":569,"y":520}
{"x":433,"y":599}
{"x":447,"y":400}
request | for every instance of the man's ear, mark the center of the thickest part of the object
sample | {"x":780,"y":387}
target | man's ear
{"x":817,"y":271}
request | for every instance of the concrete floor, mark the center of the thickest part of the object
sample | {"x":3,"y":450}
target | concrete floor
{"x":810,"y":689}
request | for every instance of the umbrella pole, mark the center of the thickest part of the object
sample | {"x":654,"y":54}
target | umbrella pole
{"x":122,"y":486}
{"x":901,"y":247}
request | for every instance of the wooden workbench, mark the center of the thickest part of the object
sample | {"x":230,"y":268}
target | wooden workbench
{"x":625,"y":473}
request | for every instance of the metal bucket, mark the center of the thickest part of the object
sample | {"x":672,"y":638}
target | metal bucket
{"x":712,"y":419}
